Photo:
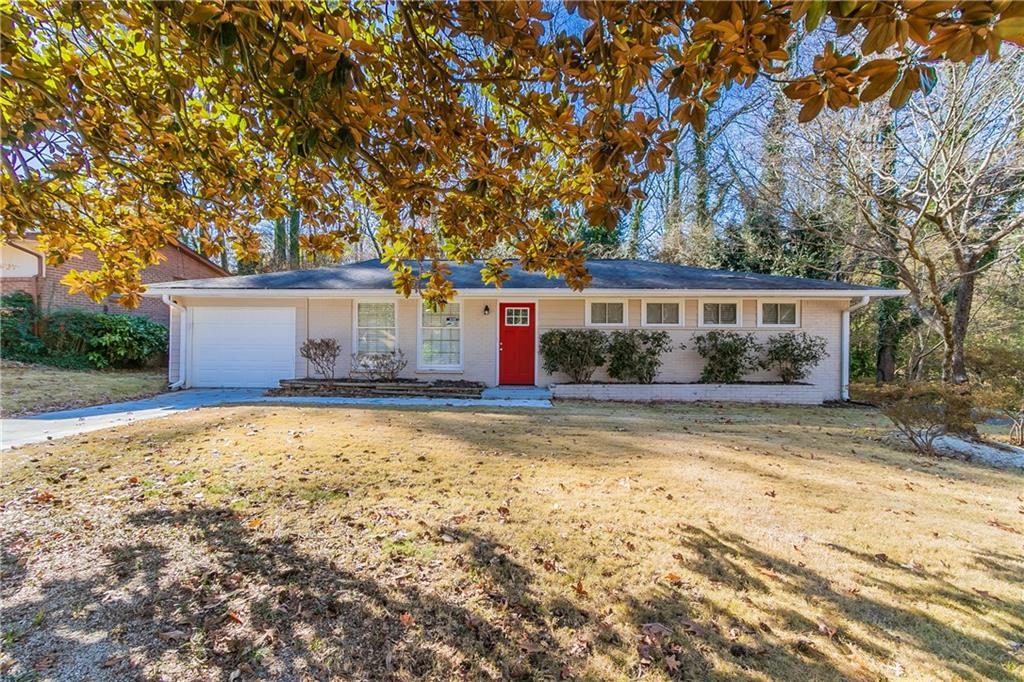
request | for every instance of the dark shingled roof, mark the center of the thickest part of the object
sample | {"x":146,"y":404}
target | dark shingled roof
{"x":607,"y":274}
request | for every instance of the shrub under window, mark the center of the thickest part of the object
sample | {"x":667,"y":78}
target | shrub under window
{"x":635,"y":355}
{"x":574,"y":352}
{"x":728,"y":356}
{"x":793,"y":356}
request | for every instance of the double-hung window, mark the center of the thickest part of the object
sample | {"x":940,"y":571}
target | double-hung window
{"x":720,"y":314}
{"x":375,"y":327}
{"x":657,"y":314}
{"x":778,"y":314}
{"x":606,"y":313}
{"x":441,"y":337}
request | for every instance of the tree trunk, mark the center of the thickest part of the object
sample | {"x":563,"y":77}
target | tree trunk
{"x":955,"y":369}
{"x":888,"y":312}
{"x":280,"y":243}
{"x":633,"y":245}
{"x":293,"y":238}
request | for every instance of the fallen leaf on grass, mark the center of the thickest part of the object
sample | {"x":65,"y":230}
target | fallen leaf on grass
{"x":172,"y":635}
{"x":255,"y":523}
{"x":580,"y":590}
{"x":235,"y":617}
{"x":826,"y":629}
{"x":655,"y":630}
{"x":996,"y":523}
{"x":406,"y":619}
{"x":673,"y":579}
{"x":44,"y":496}
{"x":986,"y":593}
{"x":694,"y":628}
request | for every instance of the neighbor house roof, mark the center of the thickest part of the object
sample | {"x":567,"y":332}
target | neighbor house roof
{"x":608,"y":275}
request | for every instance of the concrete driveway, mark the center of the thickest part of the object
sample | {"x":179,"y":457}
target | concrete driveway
{"x":51,"y":425}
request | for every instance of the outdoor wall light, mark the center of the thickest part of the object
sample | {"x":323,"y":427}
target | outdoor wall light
{"x":487,"y":310}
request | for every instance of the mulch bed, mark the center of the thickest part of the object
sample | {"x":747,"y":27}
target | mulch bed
{"x":402,"y":388}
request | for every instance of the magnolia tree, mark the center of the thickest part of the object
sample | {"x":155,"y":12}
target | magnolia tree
{"x":461,"y":126}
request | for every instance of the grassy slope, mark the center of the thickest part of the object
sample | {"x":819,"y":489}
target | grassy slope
{"x":596,"y":542}
{"x":26,"y":388}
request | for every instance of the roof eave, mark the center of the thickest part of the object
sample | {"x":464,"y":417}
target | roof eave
{"x":490,"y":292}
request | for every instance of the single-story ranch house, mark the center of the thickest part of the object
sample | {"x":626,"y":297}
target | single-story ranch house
{"x":246,"y":331}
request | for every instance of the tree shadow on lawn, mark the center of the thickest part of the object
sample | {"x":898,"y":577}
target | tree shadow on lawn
{"x":729,"y":559}
{"x":266,"y":608}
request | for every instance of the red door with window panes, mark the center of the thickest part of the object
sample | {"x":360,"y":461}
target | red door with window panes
{"x":517,"y":337}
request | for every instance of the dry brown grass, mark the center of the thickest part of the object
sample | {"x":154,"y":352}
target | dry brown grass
{"x":587,"y":541}
{"x":26,"y":389}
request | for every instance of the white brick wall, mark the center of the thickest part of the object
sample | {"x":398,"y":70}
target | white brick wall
{"x":333,"y":318}
{"x":797,"y":394}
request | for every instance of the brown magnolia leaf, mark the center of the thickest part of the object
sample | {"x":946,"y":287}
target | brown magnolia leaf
{"x":878,"y":85}
{"x":811,"y":108}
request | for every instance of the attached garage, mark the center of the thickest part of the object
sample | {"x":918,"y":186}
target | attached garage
{"x":241,"y":347}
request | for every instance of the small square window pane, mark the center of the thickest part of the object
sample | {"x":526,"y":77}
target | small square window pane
{"x":670,"y":313}
{"x":614,"y":313}
{"x":770,"y":313}
{"x":710,"y":313}
{"x":727,"y":313}
{"x":599,"y":313}
{"x":787,"y":313}
{"x":376,"y":315}
{"x":654,"y":311}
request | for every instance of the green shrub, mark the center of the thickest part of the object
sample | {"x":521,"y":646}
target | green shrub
{"x":76,"y":339}
{"x":68,"y":332}
{"x":793,"y":356}
{"x":126,"y":341}
{"x":635,"y":355}
{"x":728,"y":356}
{"x":575,"y":352}
{"x":17,"y":337}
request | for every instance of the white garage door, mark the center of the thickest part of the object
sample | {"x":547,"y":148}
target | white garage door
{"x":242,"y":347}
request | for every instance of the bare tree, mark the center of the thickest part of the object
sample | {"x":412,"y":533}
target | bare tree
{"x":941,"y":196}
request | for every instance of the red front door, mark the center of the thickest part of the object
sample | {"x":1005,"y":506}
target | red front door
{"x":517,"y":325}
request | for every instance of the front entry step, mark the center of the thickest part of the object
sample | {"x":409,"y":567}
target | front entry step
{"x":515,"y":393}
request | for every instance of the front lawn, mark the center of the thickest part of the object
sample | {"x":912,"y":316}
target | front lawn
{"x":586,"y":541}
{"x":26,"y":389}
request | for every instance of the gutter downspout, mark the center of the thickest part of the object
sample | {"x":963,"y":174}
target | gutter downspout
{"x":844,"y":346}
{"x":182,"y":338}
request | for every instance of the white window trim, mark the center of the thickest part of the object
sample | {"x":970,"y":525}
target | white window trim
{"x":717,"y":325}
{"x":760,"y":313}
{"x":663,"y":325}
{"x":355,"y":325}
{"x":625,"y":312}
{"x":422,"y":366}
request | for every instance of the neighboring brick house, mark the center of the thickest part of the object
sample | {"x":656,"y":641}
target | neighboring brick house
{"x":24,"y":269}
